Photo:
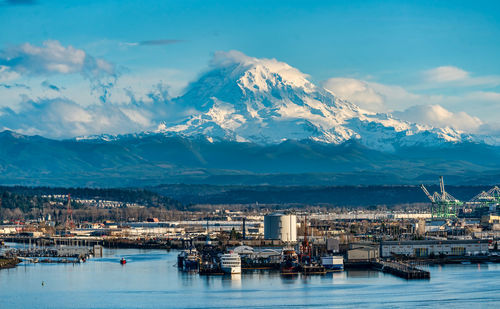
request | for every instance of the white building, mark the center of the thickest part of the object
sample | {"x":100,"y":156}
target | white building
{"x":280,"y":226}
{"x":424,"y":248}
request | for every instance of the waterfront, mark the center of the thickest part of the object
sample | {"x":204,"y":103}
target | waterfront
{"x":151,"y":280}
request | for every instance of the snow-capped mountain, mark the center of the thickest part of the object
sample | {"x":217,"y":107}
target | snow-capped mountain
{"x":297,"y":133}
{"x":266,"y":101}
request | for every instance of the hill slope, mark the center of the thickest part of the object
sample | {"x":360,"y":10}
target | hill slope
{"x":150,"y":159}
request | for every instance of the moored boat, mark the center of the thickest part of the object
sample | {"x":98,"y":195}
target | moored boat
{"x":230,"y":263}
{"x":289,"y":262}
{"x":189,"y":260}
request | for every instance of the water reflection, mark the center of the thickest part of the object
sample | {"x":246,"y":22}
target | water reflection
{"x":210,"y":281}
{"x":186,"y":278}
{"x":357,"y":273}
{"x":231,"y":281}
{"x":338,"y":275}
{"x":289,"y":279}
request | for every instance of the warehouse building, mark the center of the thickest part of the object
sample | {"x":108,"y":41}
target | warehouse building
{"x":362,"y":252}
{"x":424,"y":248}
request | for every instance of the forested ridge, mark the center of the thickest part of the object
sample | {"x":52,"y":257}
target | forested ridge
{"x":27,"y":198}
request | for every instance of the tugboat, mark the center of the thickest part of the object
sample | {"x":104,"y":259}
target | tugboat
{"x":123,"y":261}
{"x":289,"y":262}
{"x":188,"y":260}
{"x":180,"y":259}
{"x":192,"y":261}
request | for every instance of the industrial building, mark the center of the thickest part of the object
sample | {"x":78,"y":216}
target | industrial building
{"x":362,"y":253}
{"x":424,"y":248}
{"x":280,"y":226}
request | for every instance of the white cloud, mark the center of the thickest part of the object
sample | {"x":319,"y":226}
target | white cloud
{"x":397,"y":97}
{"x":6,"y":74}
{"x":424,"y":109}
{"x":140,"y":84}
{"x":376,"y":97}
{"x":63,"y":118}
{"x":356,"y":91}
{"x":438,"y":116}
{"x":53,"y":58}
{"x":64,"y":106}
{"x":445,"y":74}
{"x":489,"y":96}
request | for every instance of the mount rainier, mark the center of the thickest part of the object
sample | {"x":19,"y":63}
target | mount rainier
{"x":255,"y":121}
{"x":265,"y":101}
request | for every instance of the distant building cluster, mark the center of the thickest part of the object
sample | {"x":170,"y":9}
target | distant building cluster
{"x":99,"y":203}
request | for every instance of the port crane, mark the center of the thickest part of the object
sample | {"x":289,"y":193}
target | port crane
{"x":490,"y":198}
{"x":444,"y":205}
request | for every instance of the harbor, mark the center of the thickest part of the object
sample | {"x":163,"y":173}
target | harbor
{"x":156,"y":278}
{"x":287,"y":263}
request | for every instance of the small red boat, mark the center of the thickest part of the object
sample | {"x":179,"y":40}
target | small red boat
{"x":123,"y":261}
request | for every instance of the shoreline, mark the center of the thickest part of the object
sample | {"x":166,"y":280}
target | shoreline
{"x":6,"y":263}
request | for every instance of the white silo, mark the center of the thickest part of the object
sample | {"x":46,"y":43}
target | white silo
{"x":280,"y":226}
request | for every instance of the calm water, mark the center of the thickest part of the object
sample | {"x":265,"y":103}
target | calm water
{"x":150,"y":280}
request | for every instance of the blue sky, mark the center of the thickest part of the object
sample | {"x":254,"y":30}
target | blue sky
{"x":383,"y":55}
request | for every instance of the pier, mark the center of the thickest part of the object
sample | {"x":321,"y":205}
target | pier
{"x":402,"y":270}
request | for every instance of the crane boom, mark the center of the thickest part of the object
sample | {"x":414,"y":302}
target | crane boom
{"x":444,"y":205}
{"x":427,"y":193}
{"x":441,"y":185}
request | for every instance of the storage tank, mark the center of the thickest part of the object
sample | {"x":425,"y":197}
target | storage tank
{"x":280,"y":226}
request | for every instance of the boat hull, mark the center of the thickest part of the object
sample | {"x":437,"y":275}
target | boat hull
{"x":191,"y":265}
{"x":289,"y":271}
{"x":231,"y":270}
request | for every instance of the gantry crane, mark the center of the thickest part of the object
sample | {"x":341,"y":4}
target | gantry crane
{"x":444,"y":205}
{"x":490,"y":198}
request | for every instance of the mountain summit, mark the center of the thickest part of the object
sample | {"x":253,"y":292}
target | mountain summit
{"x":265,"y":101}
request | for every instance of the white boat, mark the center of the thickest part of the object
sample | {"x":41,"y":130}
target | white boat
{"x":230,"y":263}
